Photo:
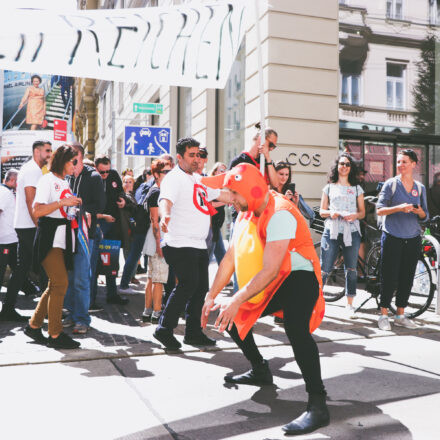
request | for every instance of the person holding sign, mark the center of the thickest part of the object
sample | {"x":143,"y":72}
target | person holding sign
{"x":54,"y":246}
{"x":278,"y":273}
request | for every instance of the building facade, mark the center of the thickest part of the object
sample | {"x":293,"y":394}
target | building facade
{"x":301,"y":95}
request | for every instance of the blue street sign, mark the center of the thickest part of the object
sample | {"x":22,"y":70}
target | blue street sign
{"x":147,"y":141}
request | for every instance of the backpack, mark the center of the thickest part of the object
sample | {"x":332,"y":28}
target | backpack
{"x":381,"y":218}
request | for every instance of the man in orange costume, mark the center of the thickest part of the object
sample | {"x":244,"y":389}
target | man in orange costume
{"x":278,"y":273}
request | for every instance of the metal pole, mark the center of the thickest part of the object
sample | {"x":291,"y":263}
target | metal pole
{"x":261,"y":83}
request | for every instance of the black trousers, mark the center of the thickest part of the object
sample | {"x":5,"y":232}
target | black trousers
{"x":398,"y":265}
{"x":190,"y":265}
{"x":19,"y":277}
{"x":296,"y":297}
{"x":8,"y":257}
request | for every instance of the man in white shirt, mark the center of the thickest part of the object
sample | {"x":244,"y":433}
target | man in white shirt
{"x":24,"y":223}
{"x":185,"y":214}
{"x":8,"y":240}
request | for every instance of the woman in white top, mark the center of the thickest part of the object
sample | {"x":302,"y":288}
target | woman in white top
{"x":54,"y":246}
{"x":342,"y":205}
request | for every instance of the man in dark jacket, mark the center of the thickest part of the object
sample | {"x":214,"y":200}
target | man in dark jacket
{"x":109,"y":222}
{"x":85,"y":183}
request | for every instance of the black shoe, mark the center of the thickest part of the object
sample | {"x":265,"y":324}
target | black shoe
{"x":316,"y":416}
{"x":12,"y":315}
{"x":63,"y":341}
{"x":155,"y":318}
{"x":35,"y":334}
{"x":259,"y":375}
{"x":167,"y":339}
{"x":140,"y":270}
{"x":200,"y":339}
{"x":95,"y":308}
{"x":146,"y":318}
{"x":278,"y":320}
{"x":117,"y":300}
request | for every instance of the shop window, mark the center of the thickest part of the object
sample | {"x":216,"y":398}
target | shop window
{"x":350,"y":89}
{"x":396,"y":86}
{"x":395,"y":9}
{"x":378,"y":161}
{"x":434,"y":11}
{"x":434,"y":163}
{"x":352,"y":147}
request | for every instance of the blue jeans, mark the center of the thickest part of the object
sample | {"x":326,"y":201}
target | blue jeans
{"x":329,"y":251}
{"x":94,"y":256}
{"x":77,"y":299}
{"x":217,"y":249}
{"x":130,"y":266}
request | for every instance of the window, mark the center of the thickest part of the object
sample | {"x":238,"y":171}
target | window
{"x":434,"y":11}
{"x":350,"y":89}
{"x":395,"y":9}
{"x":396,"y":86}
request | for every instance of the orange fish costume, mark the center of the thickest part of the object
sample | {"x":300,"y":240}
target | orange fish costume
{"x":250,"y":239}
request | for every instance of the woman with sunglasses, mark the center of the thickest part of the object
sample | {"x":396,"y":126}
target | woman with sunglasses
{"x":54,"y":246}
{"x":342,"y":206}
{"x":402,"y":202}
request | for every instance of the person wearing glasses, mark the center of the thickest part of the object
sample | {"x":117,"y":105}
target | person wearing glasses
{"x":157,"y":271}
{"x":54,"y":246}
{"x":25,"y":225}
{"x":109,"y":225}
{"x":342,"y":206}
{"x":86,"y":183}
{"x":402,"y":202}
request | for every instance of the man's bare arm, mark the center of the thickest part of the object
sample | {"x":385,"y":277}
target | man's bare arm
{"x":29,"y":192}
{"x":165,"y":206}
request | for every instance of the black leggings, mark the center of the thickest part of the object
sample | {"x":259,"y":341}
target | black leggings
{"x":296,"y":297}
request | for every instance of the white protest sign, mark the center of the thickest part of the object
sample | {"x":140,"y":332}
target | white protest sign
{"x":186,"y":45}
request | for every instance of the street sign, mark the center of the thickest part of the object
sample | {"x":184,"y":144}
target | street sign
{"x":147,"y":141}
{"x":148,"y":107}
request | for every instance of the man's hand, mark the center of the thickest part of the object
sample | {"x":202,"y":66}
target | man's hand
{"x":108,"y":218}
{"x":164,"y":223}
{"x":225,"y":319}
{"x":89,"y":219}
{"x":120,"y":203}
{"x":159,"y":252}
{"x":406,"y":208}
{"x":208,"y":307}
{"x":70,"y":201}
{"x":264,"y":149}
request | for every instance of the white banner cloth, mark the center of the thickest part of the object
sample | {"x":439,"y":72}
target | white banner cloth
{"x":186,"y":45}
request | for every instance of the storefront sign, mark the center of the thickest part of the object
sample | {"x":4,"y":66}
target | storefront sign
{"x":183,"y":45}
{"x":304,"y":159}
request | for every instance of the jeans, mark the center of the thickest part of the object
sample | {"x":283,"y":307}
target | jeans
{"x":24,"y":263}
{"x":77,"y":299}
{"x":130,"y":266}
{"x":296,"y":297}
{"x":94,"y":257}
{"x":190,"y":266}
{"x":329,"y":251}
{"x":399,"y":258}
{"x":217,"y":249}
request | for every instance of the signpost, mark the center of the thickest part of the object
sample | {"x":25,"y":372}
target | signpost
{"x":147,"y":141}
{"x":148,"y":107}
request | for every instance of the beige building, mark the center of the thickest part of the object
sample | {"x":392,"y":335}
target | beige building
{"x":300,"y":60}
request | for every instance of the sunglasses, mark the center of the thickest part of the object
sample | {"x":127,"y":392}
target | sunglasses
{"x":345,"y":164}
{"x":202,"y":155}
{"x":74,"y":162}
{"x":164,"y":171}
{"x":104,"y":172}
{"x":272,"y":146}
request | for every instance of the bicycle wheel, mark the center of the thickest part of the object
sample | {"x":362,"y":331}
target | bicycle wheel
{"x":334,"y":287}
{"x":422,"y":291}
{"x":372,"y":271}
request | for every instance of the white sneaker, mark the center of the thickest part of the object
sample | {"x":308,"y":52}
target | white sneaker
{"x":350,"y":311}
{"x":383,"y":322}
{"x":404,"y":321}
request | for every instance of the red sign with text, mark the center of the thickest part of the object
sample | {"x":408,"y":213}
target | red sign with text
{"x":59,"y":130}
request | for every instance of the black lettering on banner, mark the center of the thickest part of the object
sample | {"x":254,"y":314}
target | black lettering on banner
{"x":153,"y":66}
{"x":317,"y":160}
{"x":118,"y":39}
{"x":211,"y":14}
{"x":291,"y":161}
{"x":20,"y":51}
{"x":37,"y":51}
{"x":79,"y":38}
{"x":229,"y":13}
{"x":143,"y":39}
{"x":180,"y":35}
{"x":306,"y":161}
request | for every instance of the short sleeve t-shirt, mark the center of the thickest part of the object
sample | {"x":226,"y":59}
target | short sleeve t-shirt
{"x":29,"y":175}
{"x":50,"y":189}
{"x":7,"y":208}
{"x":283,"y":226}
{"x":343,"y":199}
{"x":190,"y":218}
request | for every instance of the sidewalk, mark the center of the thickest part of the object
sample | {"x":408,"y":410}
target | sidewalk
{"x":122,"y":385}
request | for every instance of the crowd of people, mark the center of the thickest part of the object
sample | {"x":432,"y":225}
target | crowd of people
{"x":170,"y":221}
